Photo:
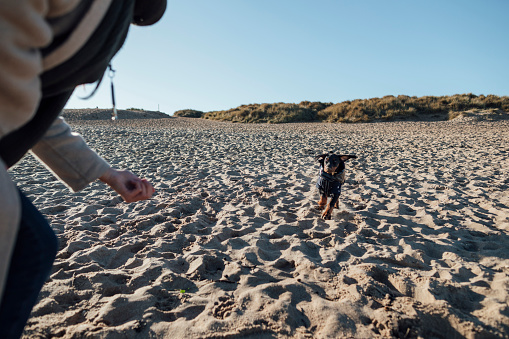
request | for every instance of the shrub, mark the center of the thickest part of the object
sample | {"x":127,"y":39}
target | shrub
{"x":188,"y":113}
{"x":265,"y":113}
{"x":316,"y":105}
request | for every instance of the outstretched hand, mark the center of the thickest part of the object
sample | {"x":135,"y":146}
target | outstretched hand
{"x":129,"y":186}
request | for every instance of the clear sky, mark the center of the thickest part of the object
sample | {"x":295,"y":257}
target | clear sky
{"x":216,"y":55}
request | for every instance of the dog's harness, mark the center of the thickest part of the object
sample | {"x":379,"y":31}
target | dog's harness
{"x":338,"y":177}
{"x":330,"y":184}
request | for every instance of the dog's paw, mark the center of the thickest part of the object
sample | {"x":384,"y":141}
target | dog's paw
{"x":327,"y":214}
{"x":326,"y":217}
{"x":320,"y":207}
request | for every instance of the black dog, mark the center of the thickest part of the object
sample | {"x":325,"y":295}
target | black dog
{"x":330,"y":179}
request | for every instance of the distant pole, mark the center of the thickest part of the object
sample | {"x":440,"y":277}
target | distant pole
{"x":158,"y":108}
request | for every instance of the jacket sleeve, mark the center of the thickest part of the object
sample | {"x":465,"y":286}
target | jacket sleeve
{"x":68,"y":156}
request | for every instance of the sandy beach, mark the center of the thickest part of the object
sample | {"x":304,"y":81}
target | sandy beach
{"x":232,"y":245}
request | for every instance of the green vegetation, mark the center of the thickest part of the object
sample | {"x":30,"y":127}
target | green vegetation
{"x":188,"y":113}
{"x":271,"y":113}
{"x":375,"y":109}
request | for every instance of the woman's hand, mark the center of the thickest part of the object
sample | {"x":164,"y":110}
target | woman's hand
{"x":129,"y":186}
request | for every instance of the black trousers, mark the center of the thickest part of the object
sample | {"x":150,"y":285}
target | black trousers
{"x":31,"y":261}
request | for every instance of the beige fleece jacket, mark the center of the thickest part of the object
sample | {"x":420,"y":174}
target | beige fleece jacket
{"x":24,"y":29}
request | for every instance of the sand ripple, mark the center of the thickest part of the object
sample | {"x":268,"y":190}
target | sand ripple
{"x":232,"y":245}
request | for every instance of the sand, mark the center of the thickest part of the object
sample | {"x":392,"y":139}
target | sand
{"x":232,"y":246}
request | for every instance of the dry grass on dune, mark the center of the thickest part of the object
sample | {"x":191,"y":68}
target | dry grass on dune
{"x":387,"y":108}
{"x":405,"y":107}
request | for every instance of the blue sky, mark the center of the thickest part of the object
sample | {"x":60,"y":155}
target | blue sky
{"x":215,"y":55}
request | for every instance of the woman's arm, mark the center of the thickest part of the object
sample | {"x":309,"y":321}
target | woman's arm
{"x":68,"y":156}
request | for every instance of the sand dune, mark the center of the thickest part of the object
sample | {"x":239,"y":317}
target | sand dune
{"x":231,"y":246}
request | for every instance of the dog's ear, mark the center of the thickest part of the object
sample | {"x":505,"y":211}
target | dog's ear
{"x":346,"y":157}
{"x":320,"y":157}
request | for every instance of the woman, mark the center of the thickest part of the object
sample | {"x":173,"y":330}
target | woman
{"x":47,"y":48}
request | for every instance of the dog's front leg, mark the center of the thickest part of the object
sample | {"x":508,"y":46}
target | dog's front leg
{"x":327,"y":214}
{"x":322,"y":202}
